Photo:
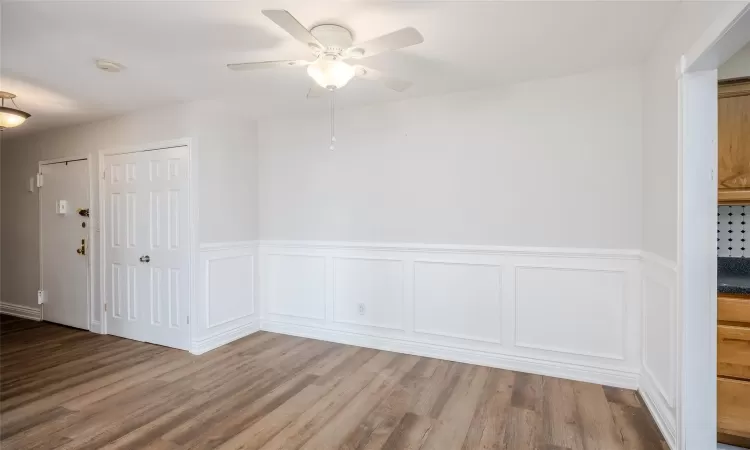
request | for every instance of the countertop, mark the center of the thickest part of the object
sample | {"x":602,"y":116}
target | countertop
{"x":733,"y":276}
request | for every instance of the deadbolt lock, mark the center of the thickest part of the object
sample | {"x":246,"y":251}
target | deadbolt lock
{"x":82,"y":249}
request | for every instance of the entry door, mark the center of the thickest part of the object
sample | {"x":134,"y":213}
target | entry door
{"x":64,"y":242}
{"x":147,"y":246}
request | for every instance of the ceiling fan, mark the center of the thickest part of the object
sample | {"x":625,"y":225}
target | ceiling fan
{"x":332,"y":45}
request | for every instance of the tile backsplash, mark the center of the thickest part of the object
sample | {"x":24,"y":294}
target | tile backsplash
{"x":731,"y":223}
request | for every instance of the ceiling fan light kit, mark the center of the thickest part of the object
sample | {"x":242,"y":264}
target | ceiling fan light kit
{"x":332,"y":44}
{"x":10,"y":117}
{"x":330,"y":72}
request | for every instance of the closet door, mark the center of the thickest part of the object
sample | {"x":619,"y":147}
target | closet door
{"x":147,"y":258}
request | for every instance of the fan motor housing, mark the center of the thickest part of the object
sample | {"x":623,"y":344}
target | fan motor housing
{"x":335,"y":37}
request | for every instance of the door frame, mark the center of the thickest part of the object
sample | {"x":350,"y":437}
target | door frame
{"x":90,"y":267}
{"x":192,"y":214}
{"x":696,"y":249}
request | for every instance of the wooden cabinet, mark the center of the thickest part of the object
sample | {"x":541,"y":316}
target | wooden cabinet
{"x":733,"y":369}
{"x":734,"y":142}
{"x":734,"y":308}
{"x":734,"y":352}
{"x":734,"y":410}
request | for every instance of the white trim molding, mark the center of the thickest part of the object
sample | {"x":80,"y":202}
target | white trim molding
{"x":601,"y":375}
{"x":25,"y":312}
{"x":224,"y":337}
{"x":517,"y":308}
{"x":458,"y":248}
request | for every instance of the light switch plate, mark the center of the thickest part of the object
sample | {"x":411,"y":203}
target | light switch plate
{"x":62,"y":207}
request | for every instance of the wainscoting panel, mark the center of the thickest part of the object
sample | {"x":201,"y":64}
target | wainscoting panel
{"x":658,"y":383}
{"x":518,"y":308}
{"x":458,"y":300}
{"x":369,"y":292}
{"x":229,"y":287}
{"x":294,"y":285}
{"x":226,"y":307}
{"x":578,"y":311}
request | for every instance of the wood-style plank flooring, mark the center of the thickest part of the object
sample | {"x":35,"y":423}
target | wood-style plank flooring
{"x":70,"y":389}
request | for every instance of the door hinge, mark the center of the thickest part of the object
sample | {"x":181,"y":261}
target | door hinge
{"x":188,"y":320}
{"x":104,"y":174}
{"x":105,"y":307}
{"x":39,"y":180}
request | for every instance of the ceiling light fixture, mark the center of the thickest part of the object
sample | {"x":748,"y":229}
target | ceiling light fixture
{"x":330,"y":72}
{"x":10,"y":117}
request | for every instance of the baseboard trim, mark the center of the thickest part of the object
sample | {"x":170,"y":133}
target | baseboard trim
{"x":96,"y":327}
{"x":25,"y":312}
{"x":609,"y":377}
{"x":219,"y":339}
{"x":667,"y":431}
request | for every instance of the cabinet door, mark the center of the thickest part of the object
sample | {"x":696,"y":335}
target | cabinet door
{"x":734,"y":138}
{"x":733,"y":407}
{"x":734,"y":351}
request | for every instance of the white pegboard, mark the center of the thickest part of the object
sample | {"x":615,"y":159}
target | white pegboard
{"x":732,"y":240}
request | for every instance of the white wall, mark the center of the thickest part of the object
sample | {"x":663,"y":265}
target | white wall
{"x":738,"y":66}
{"x":454,"y":197}
{"x":225,"y":145}
{"x":553,"y":163}
{"x":661,"y":303}
{"x":660,"y":122}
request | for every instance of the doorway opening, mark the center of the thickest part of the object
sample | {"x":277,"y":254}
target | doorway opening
{"x":704,"y":183}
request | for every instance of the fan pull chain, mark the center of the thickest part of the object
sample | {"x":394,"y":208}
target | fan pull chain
{"x":333,"y":119}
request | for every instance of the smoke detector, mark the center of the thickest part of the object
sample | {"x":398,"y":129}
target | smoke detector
{"x":108,"y":66}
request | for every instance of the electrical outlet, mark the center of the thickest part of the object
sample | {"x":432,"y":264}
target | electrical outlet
{"x":361,"y":308}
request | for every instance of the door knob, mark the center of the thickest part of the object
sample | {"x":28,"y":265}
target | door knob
{"x":145,"y":258}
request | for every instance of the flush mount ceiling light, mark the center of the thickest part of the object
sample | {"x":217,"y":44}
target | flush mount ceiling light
{"x":10,"y":117}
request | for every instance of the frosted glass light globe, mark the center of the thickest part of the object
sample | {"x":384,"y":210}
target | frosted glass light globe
{"x":330,"y":72}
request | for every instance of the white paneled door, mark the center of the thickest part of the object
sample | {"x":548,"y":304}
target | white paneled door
{"x":64,"y":242}
{"x":147,"y":245}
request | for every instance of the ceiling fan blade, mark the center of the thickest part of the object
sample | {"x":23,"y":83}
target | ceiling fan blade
{"x":288,"y":23}
{"x":396,"y":84}
{"x":404,"y":37}
{"x":267,"y":64}
{"x":317,"y":91}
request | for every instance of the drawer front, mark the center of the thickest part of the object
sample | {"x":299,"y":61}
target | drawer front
{"x":734,"y":351}
{"x":734,"y":308}
{"x":733,"y":406}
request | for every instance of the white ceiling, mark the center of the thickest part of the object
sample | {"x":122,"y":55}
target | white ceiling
{"x":177,"y":51}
